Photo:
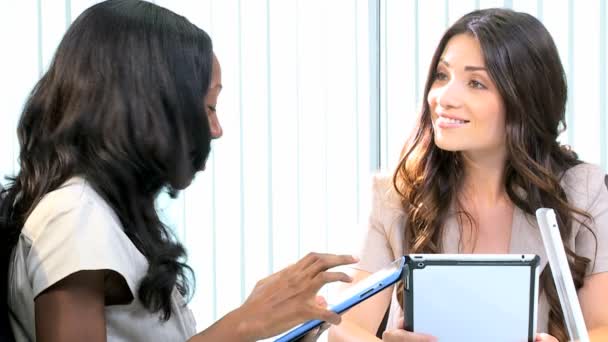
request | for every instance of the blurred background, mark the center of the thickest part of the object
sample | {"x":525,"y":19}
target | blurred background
{"x":318,"y":95}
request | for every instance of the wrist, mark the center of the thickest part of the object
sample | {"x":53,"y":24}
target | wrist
{"x":245,"y":329}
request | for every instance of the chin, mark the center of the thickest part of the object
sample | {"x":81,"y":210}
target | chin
{"x":447,"y":145}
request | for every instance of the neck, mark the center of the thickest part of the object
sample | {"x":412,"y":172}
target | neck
{"x":484,"y":178}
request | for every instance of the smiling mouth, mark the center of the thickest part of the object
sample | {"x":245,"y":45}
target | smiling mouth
{"x":445,"y":122}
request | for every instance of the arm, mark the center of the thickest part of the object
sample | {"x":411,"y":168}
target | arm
{"x":361,"y":322}
{"x":228,"y":328}
{"x":593,"y":297}
{"x":72,"y":309}
{"x":281,"y":301}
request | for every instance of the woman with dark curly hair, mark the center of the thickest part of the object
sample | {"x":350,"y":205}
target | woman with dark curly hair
{"x":483,"y":158}
{"x":125,"y":111}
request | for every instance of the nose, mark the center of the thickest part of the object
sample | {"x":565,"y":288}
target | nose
{"x":449,"y":95}
{"x":214,"y":126}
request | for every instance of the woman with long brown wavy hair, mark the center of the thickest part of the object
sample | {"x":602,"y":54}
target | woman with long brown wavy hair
{"x":483,"y":158}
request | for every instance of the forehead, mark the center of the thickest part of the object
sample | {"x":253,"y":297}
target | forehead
{"x":463,"y":50}
{"x":216,"y":77}
{"x":216,"y":68}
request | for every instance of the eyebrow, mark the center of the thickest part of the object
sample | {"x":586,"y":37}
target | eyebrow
{"x":217,"y":87}
{"x":474,"y":68}
{"x":466,"y":68}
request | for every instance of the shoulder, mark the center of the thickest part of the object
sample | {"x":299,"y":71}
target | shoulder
{"x":75,"y":200}
{"x":384,"y":192}
{"x":583,"y":183}
{"x":73,"y":229}
{"x":584,"y":173}
{"x":387,"y":212}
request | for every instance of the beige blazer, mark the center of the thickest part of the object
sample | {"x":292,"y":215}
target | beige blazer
{"x":584,"y":187}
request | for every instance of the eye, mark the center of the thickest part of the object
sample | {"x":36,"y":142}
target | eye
{"x":476,"y":84}
{"x":211,"y":108}
{"x":440,"y":76}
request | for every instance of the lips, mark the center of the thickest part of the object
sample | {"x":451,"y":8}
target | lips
{"x":449,"y":121}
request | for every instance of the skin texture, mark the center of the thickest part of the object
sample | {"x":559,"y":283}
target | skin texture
{"x":76,"y":298}
{"x":464,"y":90}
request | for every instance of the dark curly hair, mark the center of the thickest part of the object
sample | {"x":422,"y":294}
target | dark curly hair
{"x":121,"y":105}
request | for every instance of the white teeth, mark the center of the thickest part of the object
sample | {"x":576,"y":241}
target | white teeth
{"x":450,"y":120}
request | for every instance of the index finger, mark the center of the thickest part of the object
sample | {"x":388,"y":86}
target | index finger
{"x":324,"y":262}
{"x":329,"y":277}
{"x":312,"y":258}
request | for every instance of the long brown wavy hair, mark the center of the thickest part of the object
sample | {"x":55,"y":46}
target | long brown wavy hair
{"x":524,"y":63}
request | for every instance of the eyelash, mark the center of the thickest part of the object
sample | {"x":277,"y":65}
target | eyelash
{"x":441,"y":76}
{"x":477,"y":85}
{"x":211,"y":108}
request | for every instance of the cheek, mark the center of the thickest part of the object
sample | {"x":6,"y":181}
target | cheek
{"x":431,"y":98}
{"x":494,"y":118}
{"x":500,"y":115}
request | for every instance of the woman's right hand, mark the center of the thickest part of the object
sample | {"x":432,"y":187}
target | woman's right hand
{"x":289,"y":297}
{"x":401,"y":335}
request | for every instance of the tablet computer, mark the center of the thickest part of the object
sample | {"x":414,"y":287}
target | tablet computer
{"x":472,"y":297}
{"x":352,"y":296}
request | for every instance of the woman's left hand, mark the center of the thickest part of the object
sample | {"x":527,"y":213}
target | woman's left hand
{"x":542,"y":337}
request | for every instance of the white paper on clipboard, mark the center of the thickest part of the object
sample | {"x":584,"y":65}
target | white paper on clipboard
{"x":562,"y":276}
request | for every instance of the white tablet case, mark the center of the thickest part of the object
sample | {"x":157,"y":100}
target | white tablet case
{"x":472,"y":297}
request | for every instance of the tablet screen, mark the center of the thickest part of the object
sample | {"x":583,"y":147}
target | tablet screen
{"x":473,"y":302}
